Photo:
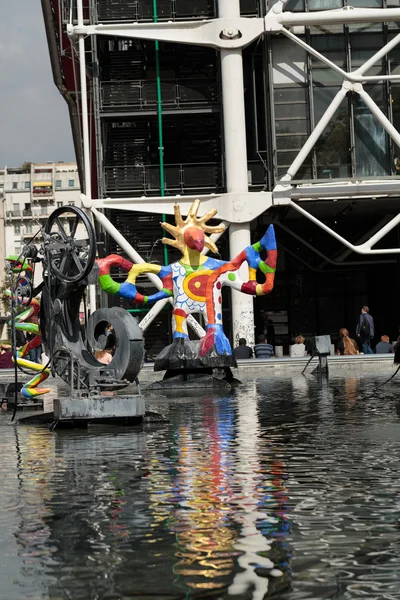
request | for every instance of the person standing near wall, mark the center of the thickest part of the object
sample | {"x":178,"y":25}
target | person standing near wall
{"x":365,"y":330}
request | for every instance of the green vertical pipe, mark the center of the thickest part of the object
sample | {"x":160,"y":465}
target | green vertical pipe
{"x":160,"y":123}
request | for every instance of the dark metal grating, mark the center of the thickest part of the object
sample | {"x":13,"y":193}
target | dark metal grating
{"x":142,"y":10}
{"x":142,"y":95}
{"x":180,"y":178}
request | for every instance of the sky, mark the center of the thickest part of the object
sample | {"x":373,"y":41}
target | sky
{"x":34,"y":119}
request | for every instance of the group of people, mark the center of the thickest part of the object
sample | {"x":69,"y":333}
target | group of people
{"x":365,"y":332}
{"x":265,"y":350}
{"x":261,"y":350}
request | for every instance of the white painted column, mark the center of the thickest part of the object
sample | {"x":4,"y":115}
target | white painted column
{"x":85,"y":132}
{"x":236,"y":167}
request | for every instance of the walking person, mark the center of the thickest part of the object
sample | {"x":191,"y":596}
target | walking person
{"x":262,"y":349}
{"x":365,"y":330}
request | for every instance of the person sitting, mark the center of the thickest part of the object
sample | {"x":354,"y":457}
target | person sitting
{"x":384,"y":346}
{"x":298,"y":348}
{"x":346,"y":346}
{"x":104,"y":356}
{"x":262,"y":349}
{"x":243,"y":350}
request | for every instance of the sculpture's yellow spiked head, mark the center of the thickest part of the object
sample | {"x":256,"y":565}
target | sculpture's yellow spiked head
{"x":190,"y":232}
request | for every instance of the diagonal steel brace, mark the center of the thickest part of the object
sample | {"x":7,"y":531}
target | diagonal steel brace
{"x":225,"y":34}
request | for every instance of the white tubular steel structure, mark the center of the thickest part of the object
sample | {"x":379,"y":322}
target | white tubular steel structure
{"x":85,"y":133}
{"x":230,"y":33}
{"x":236,"y":166}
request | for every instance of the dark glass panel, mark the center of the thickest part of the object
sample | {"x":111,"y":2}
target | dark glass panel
{"x":371,"y":140}
{"x":333,"y":147}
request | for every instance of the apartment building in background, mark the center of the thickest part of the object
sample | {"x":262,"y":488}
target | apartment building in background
{"x":28,"y":195}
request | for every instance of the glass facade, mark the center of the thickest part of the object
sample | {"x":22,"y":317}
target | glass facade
{"x":354,"y":143}
{"x":287,"y":91}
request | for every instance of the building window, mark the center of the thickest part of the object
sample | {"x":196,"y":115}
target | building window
{"x":71,"y":182}
{"x":58,"y":183}
{"x":71,"y":203}
{"x":59,"y":204}
{"x":27,"y":185}
{"x":17,"y":229}
{"x":324,"y":4}
{"x":371,"y":140}
{"x":16,"y":210}
{"x":15,"y":185}
{"x":28,"y":228}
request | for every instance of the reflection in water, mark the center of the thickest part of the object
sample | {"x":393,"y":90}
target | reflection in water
{"x":300,"y":388}
{"x":253,"y":521}
{"x":211,"y":501}
{"x":200,"y":511}
{"x":296,"y":476}
{"x":351,"y":391}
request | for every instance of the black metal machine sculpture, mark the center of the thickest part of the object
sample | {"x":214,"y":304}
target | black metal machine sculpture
{"x":68,"y":253}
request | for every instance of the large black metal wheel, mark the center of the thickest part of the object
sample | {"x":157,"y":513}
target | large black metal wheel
{"x":116,"y":328}
{"x":69,"y":259}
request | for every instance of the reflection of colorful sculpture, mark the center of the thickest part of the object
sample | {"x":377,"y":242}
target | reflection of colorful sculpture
{"x":195,"y":281}
{"x":25,"y":272}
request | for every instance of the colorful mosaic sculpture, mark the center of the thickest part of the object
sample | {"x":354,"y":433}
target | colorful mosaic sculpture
{"x":195,"y":284}
{"x":22,"y":323}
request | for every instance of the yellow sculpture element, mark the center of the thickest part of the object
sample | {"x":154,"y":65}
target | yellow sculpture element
{"x":137,"y":270}
{"x":183,"y":226}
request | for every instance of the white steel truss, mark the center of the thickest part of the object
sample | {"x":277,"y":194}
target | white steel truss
{"x":229,"y":34}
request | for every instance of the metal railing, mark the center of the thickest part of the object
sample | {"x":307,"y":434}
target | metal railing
{"x":179,"y":178}
{"x":142,"y":94}
{"x":42,"y":193}
{"x":142,"y":10}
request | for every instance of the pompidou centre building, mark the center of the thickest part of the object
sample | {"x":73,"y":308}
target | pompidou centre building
{"x":282,"y":112}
